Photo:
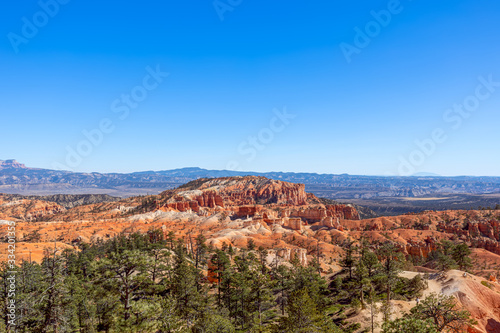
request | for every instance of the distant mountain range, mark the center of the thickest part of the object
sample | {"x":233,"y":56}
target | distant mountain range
{"x":426,"y":174}
{"x":16,"y":178}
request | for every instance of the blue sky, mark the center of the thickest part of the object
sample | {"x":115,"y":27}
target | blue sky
{"x":228,"y":79}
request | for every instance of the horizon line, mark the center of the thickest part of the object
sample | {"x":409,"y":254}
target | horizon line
{"x":416,"y":175}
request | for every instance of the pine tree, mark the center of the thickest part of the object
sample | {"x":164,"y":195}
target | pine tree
{"x":171,"y":240}
{"x":159,"y":267}
{"x":348,"y":260}
{"x":167,"y":319}
{"x":125,"y":274}
{"x":409,"y":325}
{"x":461,"y":255}
{"x":82,"y":294}
{"x":444,"y":312}
{"x":373,"y":309}
{"x":362,"y":280}
{"x":201,"y":250}
{"x":391,"y":264}
{"x":185,"y":286}
{"x":307,"y":277}
{"x":283,"y":285}
{"x":241,"y":281}
{"x":211,"y":321}
{"x":303,"y":316}
{"x":55,"y":297}
{"x":371,"y":262}
{"x":444,"y":262}
{"x":261,"y":297}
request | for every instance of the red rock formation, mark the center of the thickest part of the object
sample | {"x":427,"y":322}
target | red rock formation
{"x":240,"y":191}
{"x":243,"y":211}
{"x":291,"y":254}
{"x":420,"y":249}
{"x":487,"y":244}
{"x":480,"y":232}
{"x":345,"y":212}
{"x":30,"y":210}
{"x":210,"y":199}
{"x":248,"y":196}
{"x":319,"y":212}
{"x":292,"y":223}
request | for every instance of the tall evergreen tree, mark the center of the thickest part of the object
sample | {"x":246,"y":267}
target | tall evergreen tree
{"x":124,"y":273}
{"x":303,"y":316}
{"x":348,"y":261}
{"x":461,"y":255}
{"x":391,"y":265}
{"x":185,"y":286}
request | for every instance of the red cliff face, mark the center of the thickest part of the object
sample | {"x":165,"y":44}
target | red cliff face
{"x":243,"y":211}
{"x":479,"y":232}
{"x":314,"y":213}
{"x":237,"y":191}
{"x":208,"y":199}
{"x":183,"y":206}
{"x":487,"y":244}
{"x":489,"y":229}
{"x":420,"y":248}
{"x":254,"y":196}
{"x":345,"y":212}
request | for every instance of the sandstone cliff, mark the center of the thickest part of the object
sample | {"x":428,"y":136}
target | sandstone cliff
{"x":252,"y":196}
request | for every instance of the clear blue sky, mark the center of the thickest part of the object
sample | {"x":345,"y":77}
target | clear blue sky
{"x":227,"y":76}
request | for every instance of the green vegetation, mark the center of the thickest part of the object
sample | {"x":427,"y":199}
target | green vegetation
{"x":443,"y":311}
{"x":410,"y":325}
{"x":486,"y":284}
{"x":151,"y":283}
{"x":450,"y":256}
{"x":370,"y":277}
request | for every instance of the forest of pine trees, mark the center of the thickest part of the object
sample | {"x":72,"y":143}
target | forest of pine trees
{"x":151,"y":283}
